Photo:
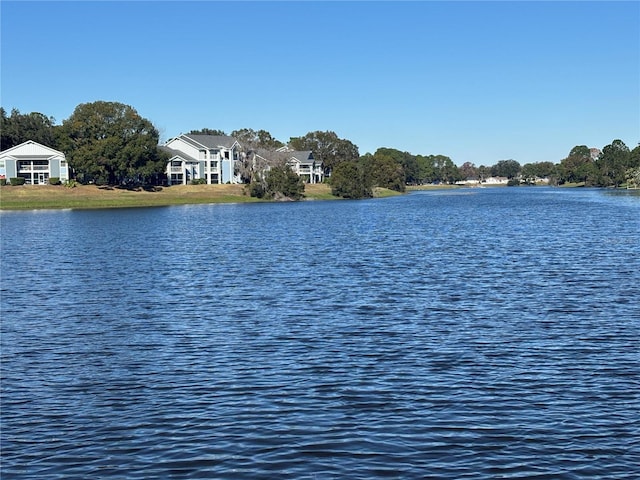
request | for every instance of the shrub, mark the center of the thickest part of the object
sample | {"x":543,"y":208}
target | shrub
{"x":54,"y":181}
{"x":17,"y":181}
{"x":3,"y":182}
{"x":256,"y":190}
{"x":198,"y":181}
{"x":71,"y":184}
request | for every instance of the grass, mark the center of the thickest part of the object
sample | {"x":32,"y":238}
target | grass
{"x":92,"y":196}
{"x":30,"y":197}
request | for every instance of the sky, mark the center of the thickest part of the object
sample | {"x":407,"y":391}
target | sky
{"x":477,"y":81}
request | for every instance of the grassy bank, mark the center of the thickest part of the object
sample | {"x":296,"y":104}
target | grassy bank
{"x":91,"y":196}
{"x":31,"y":197}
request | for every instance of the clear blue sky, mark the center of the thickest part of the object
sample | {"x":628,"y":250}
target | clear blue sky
{"x":477,"y":81}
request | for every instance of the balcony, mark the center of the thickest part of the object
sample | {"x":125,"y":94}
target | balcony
{"x":33,"y":168}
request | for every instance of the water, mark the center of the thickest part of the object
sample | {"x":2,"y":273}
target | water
{"x":472,"y":334}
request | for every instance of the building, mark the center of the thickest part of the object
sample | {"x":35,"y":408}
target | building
{"x":211,"y":158}
{"x":306,"y":166}
{"x":34,"y":162}
{"x":302,"y":163}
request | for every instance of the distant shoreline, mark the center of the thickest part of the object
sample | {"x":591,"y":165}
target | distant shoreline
{"x":86,"y":197}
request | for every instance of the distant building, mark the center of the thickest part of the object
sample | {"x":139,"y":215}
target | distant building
{"x":307,"y":167}
{"x":209,"y":157}
{"x":301,"y":162}
{"x":34,"y":162}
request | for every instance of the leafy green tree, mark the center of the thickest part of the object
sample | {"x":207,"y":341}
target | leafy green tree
{"x":426,"y":169}
{"x":282,"y":182}
{"x":634,"y":157}
{"x":506,"y":168}
{"x":444,"y":169}
{"x":326,"y":147}
{"x":208,"y":131}
{"x":532,"y":171}
{"x":250,"y":139}
{"x":632,"y":177}
{"x":351,"y":180}
{"x":408,"y":162}
{"x":110,"y":143}
{"x":385,"y":170}
{"x":18,"y":128}
{"x":613,"y":163}
{"x":578,"y":166}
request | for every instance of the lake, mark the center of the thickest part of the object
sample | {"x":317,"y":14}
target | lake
{"x":476,"y":333}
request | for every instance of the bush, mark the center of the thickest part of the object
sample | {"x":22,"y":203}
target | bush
{"x":198,"y":181}
{"x":3,"y":182}
{"x":513,"y":182}
{"x":54,"y":181}
{"x":17,"y":181}
{"x":256,"y":190}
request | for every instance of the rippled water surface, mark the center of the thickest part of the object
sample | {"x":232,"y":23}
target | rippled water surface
{"x":480,"y":333}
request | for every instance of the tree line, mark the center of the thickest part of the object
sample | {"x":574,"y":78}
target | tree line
{"x":110,"y":143}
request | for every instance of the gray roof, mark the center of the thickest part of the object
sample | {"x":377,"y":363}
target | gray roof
{"x":210,"y":141}
{"x":176,"y":153}
{"x":305,"y":156}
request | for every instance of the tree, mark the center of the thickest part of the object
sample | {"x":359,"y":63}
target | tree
{"x":506,"y":168}
{"x":385,"y":170}
{"x":444,"y":170}
{"x":249,"y":139}
{"x":468,"y":171}
{"x":208,"y":131}
{"x":351,"y":180}
{"x":632,"y":177}
{"x":613,"y":163}
{"x":110,"y":143}
{"x":483,"y":172}
{"x":283,"y":183}
{"x":410,"y":168}
{"x":578,"y":166}
{"x":18,"y":128}
{"x":426,"y":169}
{"x":533,"y":171}
{"x":634,"y":157}
{"x":326,"y":147}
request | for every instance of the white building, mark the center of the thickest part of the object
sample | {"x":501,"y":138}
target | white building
{"x":34,"y":162}
{"x":306,"y":166}
{"x":301,"y":162}
{"x":209,"y":157}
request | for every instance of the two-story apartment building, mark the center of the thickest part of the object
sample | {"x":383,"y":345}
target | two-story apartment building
{"x":209,"y":157}
{"x":306,"y":166}
{"x":301,"y":162}
{"x":34,"y":162}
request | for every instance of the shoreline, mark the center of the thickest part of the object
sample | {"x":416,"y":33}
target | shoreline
{"x":88,"y":197}
{"x":85,"y":197}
